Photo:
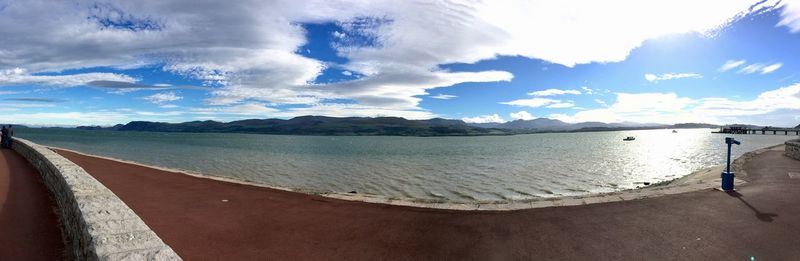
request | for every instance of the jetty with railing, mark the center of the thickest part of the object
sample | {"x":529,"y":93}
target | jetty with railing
{"x":761,"y":130}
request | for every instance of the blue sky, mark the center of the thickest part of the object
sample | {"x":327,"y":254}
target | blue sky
{"x":90,"y":62}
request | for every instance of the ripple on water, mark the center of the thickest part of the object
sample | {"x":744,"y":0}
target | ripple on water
{"x":456,"y":168}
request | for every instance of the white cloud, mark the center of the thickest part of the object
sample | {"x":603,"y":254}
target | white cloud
{"x":730,"y":64}
{"x":640,"y":107}
{"x":443,"y":96}
{"x":613,"y":29}
{"x":790,"y":16}
{"x":671,"y":108}
{"x":347,"y":73}
{"x":494,"y":118}
{"x":587,"y":90}
{"x":601,"y":102}
{"x":561,"y":105}
{"x":553,"y":92}
{"x":669,"y":76}
{"x":252,"y":109}
{"x":356,"y":110}
{"x":547,"y":102}
{"x":338,"y":34}
{"x":771,"y":68}
{"x":162,"y":97}
{"x":758,"y":68}
{"x":168,"y":106}
{"x":102,"y":117}
{"x":521,"y":115}
{"x":250,"y":48}
{"x":532,"y":102}
{"x":17,"y":76}
{"x":752,"y":68}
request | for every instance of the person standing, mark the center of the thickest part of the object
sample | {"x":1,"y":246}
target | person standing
{"x":10,"y":134}
{"x":4,"y":137}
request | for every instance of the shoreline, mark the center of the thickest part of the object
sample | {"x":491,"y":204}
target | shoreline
{"x":707,"y":178}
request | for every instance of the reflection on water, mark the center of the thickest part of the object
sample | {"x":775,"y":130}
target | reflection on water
{"x":435,"y":168}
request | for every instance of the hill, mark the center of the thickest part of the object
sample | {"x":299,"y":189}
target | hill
{"x":316,"y":125}
{"x":545,"y":125}
{"x":393,"y":126}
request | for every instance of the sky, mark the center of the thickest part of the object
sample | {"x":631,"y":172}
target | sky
{"x":67,"y":63}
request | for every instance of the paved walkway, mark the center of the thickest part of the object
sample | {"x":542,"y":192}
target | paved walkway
{"x":29,"y":228}
{"x":208,"y":220}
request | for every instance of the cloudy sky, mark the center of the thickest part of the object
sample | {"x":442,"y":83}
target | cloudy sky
{"x":108,"y":62}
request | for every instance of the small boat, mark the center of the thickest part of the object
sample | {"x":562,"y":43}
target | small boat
{"x":629,"y":138}
{"x":674,"y":131}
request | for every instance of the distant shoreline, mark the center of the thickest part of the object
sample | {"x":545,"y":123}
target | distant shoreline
{"x":505,"y":133}
{"x":706,"y":178}
{"x":385,"y":126}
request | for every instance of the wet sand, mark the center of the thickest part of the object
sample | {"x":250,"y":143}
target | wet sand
{"x":205,"y":219}
{"x":29,"y":228}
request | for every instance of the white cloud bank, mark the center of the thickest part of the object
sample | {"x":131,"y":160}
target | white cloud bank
{"x":493,"y":118}
{"x":750,"y":68}
{"x":250,"y":47}
{"x":670,"y":76}
{"x":730,"y":64}
{"x":771,"y":68}
{"x":163,"y":97}
{"x":443,"y":97}
{"x":672,"y":108}
{"x":521,"y":115}
{"x":554,"y":92}
{"x":790,"y":16}
{"x":19,"y":76}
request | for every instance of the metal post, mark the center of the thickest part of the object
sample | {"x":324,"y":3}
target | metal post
{"x":728,"y":169}
{"x":727,"y":176}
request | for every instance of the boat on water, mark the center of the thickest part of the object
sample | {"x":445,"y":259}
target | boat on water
{"x":629,"y":138}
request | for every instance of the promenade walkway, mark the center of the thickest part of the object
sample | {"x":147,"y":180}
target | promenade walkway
{"x":29,"y":228}
{"x":210,"y":220}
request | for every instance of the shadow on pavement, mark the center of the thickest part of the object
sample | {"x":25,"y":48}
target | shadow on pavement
{"x":765,"y":217}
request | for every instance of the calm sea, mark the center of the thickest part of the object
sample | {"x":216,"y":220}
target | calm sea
{"x":457,"y":169}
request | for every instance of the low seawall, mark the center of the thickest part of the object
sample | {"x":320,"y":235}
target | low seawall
{"x":97,"y":225}
{"x":793,"y":149}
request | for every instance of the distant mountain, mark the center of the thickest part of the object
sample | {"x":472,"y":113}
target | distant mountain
{"x":316,"y":125}
{"x":797,"y":127}
{"x":395,"y":126}
{"x":694,"y":125}
{"x":486,"y":124}
{"x":545,"y":125}
{"x":536,"y":124}
{"x":16,"y":126}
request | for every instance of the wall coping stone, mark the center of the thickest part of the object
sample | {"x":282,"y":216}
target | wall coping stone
{"x":793,"y":149}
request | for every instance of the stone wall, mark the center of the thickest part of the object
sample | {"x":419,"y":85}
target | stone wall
{"x":793,"y":149}
{"x":97,"y":225}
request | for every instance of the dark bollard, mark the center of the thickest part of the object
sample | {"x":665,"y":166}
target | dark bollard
{"x":727,"y":175}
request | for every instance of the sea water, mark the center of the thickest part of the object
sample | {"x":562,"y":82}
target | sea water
{"x":453,"y":169}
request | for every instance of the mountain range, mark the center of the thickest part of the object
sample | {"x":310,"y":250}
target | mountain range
{"x":394,"y":126}
{"x":545,"y":124}
{"x":316,"y":125}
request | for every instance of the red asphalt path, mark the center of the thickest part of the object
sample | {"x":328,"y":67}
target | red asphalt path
{"x":204,"y":219}
{"x":29,"y":228}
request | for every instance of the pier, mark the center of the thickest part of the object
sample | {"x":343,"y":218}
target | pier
{"x":762,"y":131}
